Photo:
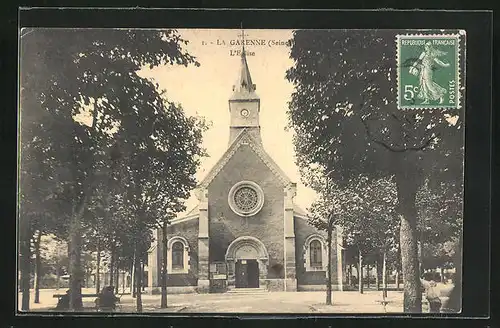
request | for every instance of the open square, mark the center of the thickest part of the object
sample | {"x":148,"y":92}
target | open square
{"x":254,"y":302}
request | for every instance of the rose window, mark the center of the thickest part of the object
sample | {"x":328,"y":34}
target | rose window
{"x":246,"y":198}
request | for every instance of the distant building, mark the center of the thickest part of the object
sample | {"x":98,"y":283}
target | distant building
{"x":246,"y":231}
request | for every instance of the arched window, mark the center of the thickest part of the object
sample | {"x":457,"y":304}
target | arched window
{"x":315,"y":254}
{"x":177,"y":255}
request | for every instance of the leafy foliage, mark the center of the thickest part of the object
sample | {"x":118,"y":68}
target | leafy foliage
{"x":100,"y":139}
{"x":370,"y":223}
{"x":440,"y":224}
{"x":344,"y":114}
{"x":346,"y":122}
{"x":440,"y":212}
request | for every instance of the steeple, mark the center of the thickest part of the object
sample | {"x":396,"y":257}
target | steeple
{"x":244,"y":87}
{"x":244,"y":103}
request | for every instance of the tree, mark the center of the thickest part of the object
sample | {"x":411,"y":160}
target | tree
{"x":166,"y":198}
{"x":138,"y":238}
{"x":38,"y":264}
{"x":55,"y":258}
{"x":440,"y":224}
{"x":344,"y":115}
{"x":83,"y":84}
{"x":324,"y":212}
{"x":94,"y":244}
{"x":364,"y":210}
{"x":41,"y":213}
{"x":369,"y":221}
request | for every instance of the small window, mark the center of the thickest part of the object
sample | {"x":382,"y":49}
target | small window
{"x":178,"y":255}
{"x":315,"y":253}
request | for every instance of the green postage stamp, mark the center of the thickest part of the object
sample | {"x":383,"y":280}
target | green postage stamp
{"x":429,"y":70}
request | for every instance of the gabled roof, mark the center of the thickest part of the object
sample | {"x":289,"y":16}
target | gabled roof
{"x":299,"y":211}
{"x":245,"y":138}
{"x":194,"y":210}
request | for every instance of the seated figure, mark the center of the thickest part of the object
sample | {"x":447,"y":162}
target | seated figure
{"x":106,"y":300}
{"x":63,"y":302}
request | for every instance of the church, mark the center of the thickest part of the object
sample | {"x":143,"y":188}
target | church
{"x":246,"y":232}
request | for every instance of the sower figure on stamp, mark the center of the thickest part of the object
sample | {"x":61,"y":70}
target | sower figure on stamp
{"x":432,"y":294}
{"x":423,"y":68}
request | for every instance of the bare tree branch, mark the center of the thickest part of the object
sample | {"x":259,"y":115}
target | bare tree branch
{"x":400,"y":149}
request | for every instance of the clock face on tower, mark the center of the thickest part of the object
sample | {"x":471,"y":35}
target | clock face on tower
{"x":244,"y":112}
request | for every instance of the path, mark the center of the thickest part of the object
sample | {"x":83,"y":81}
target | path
{"x":275,"y":302}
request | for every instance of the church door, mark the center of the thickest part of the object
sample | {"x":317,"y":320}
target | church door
{"x":253,"y":273}
{"x":241,"y":274}
{"x":247,"y":274}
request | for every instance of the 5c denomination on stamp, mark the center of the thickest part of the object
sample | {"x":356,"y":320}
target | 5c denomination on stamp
{"x":428,"y":71}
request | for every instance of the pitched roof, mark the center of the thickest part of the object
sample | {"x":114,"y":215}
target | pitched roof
{"x":245,"y":138}
{"x":194,"y":210}
{"x":298,"y":210}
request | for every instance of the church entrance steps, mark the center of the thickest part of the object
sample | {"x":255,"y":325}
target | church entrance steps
{"x":246,"y":291}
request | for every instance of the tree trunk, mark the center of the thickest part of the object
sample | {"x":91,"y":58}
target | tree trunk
{"x":377,"y":274}
{"x":143,"y":285}
{"x":407,"y":188}
{"x":349,"y":275}
{"x":397,"y":279}
{"x":123,"y":282}
{"x":329,"y":268}
{"x":138,"y":284}
{"x":367,"y":276}
{"x":133,"y":277}
{"x":25,"y":262}
{"x":441,"y":273}
{"x":75,"y":252}
{"x":163,"y":302}
{"x":360,"y":272}
{"x":106,"y":277}
{"x":87,"y":278}
{"x":58,"y":277}
{"x":421,"y":269}
{"x":384,"y":274}
{"x":38,"y":263}
{"x":98,"y":269}
{"x":117,"y":279}
{"x":112,"y":267}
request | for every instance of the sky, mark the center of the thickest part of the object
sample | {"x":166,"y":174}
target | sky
{"x":205,"y":91}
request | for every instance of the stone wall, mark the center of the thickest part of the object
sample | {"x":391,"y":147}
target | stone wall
{"x":302,"y":231}
{"x":267,"y":225}
{"x":275,"y":285}
{"x":188,"y":230}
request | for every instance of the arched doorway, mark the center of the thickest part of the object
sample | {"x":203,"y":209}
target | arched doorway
{"x":247,"y":261}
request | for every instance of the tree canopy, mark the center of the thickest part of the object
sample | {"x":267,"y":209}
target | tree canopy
{"x":97,"y":130}
{"x":344,"y":114}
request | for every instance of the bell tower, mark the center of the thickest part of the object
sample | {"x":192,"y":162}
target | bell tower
{"x":244,"y":103}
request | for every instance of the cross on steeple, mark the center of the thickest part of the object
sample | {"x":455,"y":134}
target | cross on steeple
{"x":244,"y":84}
{"x":242,"y":35}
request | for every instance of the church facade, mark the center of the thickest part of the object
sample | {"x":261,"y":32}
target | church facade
{"x":246,"y":231}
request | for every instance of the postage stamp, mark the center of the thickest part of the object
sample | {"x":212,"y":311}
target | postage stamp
{"x":428,"y":71}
